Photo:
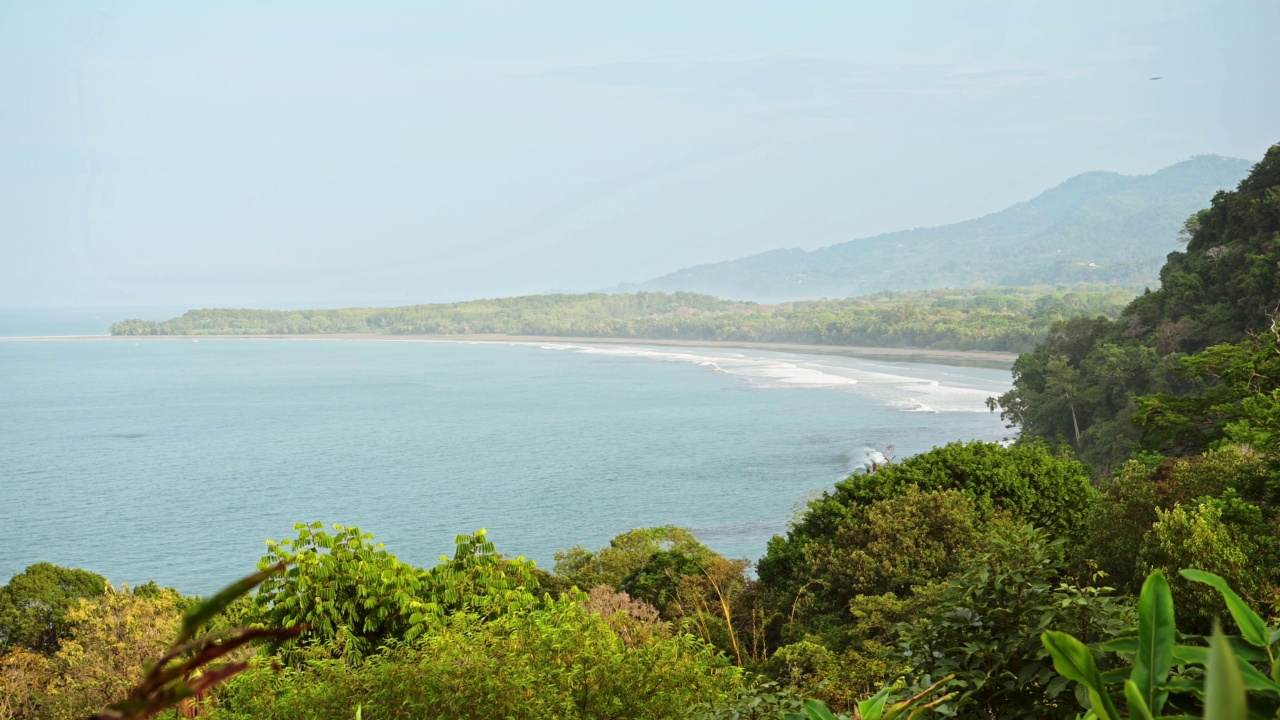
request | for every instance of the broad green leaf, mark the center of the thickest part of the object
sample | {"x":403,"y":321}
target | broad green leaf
{"x":1247,"y":651}
{"x":1242,"y":648}
{"x":1073,"y":660}
{"x":1115,"y":676}
{"x":205,"y":611}
{"x":1253,"y":679}
{"x":1224,"y":695}
{"x":817,"y":710}
{"x":1124,"y":645}
{"x":871,"y":708}
{"x":1154,"y":656}
{"x":1252,"y":628}
{"x":1137,"y":703}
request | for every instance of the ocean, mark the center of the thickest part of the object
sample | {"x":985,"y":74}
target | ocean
{"x":174,"y":460}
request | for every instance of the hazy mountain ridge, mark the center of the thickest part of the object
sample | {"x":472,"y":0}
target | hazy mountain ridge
{"x":1097,"y":227}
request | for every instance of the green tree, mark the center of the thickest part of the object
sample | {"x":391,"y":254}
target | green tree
{"x":34,"y":605}
{"x":1226,"y":536}
{"x":351,"y":593}
{"x":889,"y":547}
{"x":1030,"y":482}
{"x":658,"y":580}
{"x":626,"y":555}
{"x":355,"y":596}
{"x":1133,"y":500}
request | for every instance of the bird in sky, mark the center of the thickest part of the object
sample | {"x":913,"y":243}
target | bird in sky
{"x":1154,"y":78}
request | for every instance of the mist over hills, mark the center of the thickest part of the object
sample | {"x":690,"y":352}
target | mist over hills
{"x":1097,"y":227}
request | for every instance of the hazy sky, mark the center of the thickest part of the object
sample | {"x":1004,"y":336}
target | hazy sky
{"x":312,"y":153}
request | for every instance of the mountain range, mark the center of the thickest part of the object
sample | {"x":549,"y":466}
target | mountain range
{"x":1097,"y":227}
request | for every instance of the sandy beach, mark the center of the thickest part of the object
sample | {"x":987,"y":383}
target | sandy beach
{"x":963,"y":357}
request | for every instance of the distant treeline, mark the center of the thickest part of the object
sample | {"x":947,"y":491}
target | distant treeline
{"x":1008,"y":319}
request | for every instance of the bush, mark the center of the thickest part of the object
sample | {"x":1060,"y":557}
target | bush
{"x":560,"y":661}
{"x":1163,"y":673}
{"x":1217,"y":535}
{"x":887,"y":548}
{"x":356,"y":597}
{"x":626,"y":556}
{"x":1134,"y":500}
{"x":110,"y":637}
{"x":1030,"y":482}
{"x":985,"y":630}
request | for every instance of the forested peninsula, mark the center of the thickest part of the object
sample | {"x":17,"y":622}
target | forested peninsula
{"x":1009,"y":319}
{"x":1119,"y":560}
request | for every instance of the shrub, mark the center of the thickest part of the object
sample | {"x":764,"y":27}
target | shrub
{"x":1167,"y":674}
{"x":626,"y":556}
{"x":110,"y":637}
{"x":985,"y":629}
{"x":1030,"y":482}
{"x":559,"y":661}
{"x":1218,"y":535}
{"x":1141,"y":495}
{"x":356,"y":597}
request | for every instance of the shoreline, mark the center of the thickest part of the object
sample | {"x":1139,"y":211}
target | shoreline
{"x":987,"y":358}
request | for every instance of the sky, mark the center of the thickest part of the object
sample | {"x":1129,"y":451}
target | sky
{"x":312,"y":154}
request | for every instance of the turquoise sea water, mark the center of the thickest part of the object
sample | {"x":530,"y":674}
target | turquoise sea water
{"x":74,"y":321}
{"x":173,"y":460}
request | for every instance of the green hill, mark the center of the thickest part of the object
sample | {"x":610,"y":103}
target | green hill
{"x":1099,"y":227}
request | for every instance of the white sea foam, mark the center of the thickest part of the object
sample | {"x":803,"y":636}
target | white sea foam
{"x":762,"y":370}
{"x":898,"y":386}
{"x":913,"y":405}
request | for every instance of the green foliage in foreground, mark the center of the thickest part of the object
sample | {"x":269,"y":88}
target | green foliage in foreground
{"x":931,"y":567}
{"x":1164,"y":674}
{"x":960,"y":638}
{"x":984,"y":630}
{"x":1004,"y":319}
{"x":558,"y":661}
{"x":355,"y":597}
{"x":1030,"y":482}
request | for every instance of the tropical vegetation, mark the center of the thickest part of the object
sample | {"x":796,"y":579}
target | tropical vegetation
{"x":1120,"y":558}
{"x":1183,"y":368}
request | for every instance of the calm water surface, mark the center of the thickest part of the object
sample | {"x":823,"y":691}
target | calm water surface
{"x":173,"y":460}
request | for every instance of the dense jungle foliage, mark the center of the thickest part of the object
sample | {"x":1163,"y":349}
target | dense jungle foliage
{"x":969,"y":576}
{"x":1200,"y":344}
{"x":1003,"y":319}
{"x":975,"y":580}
